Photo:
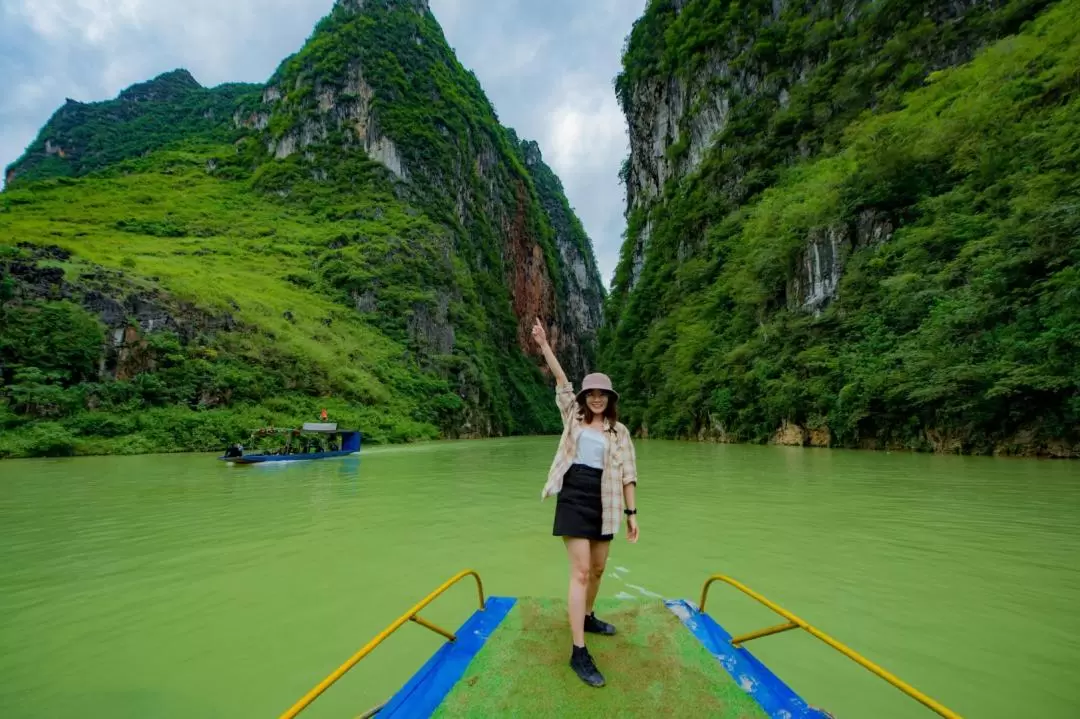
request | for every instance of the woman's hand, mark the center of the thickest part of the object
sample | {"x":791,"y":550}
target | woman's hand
{"x":632,"y":528}
{"x":539,"y":334}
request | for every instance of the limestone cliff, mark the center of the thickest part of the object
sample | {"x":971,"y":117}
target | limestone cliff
{"x":578,"y":316}
{"x":755,"y":61}
{"x":376,"y":237}
{"x":780,"y":272}
{"x":379,"y":76}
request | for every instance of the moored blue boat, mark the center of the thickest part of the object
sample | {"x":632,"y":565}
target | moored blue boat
{"x":337,"y":443}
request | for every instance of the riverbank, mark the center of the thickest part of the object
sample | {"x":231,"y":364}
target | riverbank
{"x":958,"y":441}
{"x":179,"y":429}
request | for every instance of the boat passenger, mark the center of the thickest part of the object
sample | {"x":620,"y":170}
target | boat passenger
{"x":594,"y":474}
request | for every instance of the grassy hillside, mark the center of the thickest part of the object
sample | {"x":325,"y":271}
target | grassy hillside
{"x":209,"y":247}
{"x":342,"y":237}
{"x":958,"y":329}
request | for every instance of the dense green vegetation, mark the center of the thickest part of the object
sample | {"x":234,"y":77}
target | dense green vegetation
{"x":172,"y":108}
{"x":465,"y":169}
{"x":290,"y":347}
{"x":851,"y":64}
{"x":167,"y":284}
{"x":961,"y":332}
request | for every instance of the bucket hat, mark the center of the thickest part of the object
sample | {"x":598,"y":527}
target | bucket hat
{"x":596,"y":380}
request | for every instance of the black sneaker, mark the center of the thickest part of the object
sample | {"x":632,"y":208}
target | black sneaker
{"x":582,"y":663}
{"x":595,"y":626}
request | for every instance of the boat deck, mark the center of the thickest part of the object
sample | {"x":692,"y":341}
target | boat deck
{"x":512,"y":660}
{"x":653,"y":667}
{"x":669,"y":658}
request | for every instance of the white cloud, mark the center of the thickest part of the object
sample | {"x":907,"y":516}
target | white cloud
{"x":586,"y":128}
{"x":29,"y":93}
{"x":523,"y":54}
{"x":449,"y":13}
{"x":95,"y":20}
{"x":585,"y":142}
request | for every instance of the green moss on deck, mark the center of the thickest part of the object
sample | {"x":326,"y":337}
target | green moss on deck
{"x":654,"y":667}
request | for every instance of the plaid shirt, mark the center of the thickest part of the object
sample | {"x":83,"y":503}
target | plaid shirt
{"x":620,"y":464}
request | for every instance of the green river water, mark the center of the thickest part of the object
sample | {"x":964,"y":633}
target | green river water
{"x":178,"y":586}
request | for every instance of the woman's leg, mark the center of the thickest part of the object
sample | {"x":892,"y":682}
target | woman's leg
{"x":577,"y":551}
{"x":598,"y":554}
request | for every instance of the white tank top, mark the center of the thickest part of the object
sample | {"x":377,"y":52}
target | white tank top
{"x":591,"y":444}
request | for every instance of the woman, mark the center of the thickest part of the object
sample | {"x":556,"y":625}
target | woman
{"x":594,"y":474}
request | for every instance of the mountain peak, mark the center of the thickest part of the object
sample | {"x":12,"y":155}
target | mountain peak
{"x":420,"y":6}
{"x":166,"y":86}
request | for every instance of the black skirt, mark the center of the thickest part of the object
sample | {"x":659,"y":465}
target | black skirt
{"x":578,"y":510}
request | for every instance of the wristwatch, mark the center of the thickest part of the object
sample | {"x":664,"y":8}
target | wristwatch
{"x":628,"y":512}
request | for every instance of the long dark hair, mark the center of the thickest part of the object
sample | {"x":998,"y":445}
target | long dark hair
{"x":611,"y":412}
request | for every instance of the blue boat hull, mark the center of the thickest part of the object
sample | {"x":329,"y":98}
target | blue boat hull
{"x":260,"y":458}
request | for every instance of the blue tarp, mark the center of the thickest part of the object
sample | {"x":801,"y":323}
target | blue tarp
{"x":774,"y":696}
{"x":423,"y":693}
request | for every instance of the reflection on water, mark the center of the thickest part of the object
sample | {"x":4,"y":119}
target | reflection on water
{"x":178,"y":586}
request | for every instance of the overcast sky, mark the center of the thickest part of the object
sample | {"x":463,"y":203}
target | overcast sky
{"x":547,"y":66}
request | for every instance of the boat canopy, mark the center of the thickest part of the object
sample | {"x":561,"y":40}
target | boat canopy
{"x":323,"y":427}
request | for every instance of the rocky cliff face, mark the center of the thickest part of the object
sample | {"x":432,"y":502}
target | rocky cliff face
{"x":433,"y":225}
{"x":128,"y":313}
{"x":578,"y":315}
{"x":676,"y":117}
{"x":814,"y":281}
{"x":780,"y":159}
{"x":439,"y":137}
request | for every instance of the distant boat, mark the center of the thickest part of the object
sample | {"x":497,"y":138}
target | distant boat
{"x":340,"y":443}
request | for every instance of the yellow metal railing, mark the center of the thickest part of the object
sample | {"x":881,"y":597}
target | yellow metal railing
{"x":409,"y":616}
{"x":794,"y":622}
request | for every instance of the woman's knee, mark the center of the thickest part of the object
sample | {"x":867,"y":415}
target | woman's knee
{"x":596,"y":571}
{"x":579,"y":573}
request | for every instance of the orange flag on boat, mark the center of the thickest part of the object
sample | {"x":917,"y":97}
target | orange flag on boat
{"x":323,"y":415}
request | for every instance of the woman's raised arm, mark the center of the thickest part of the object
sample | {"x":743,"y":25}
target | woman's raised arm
{"x":540,"y":336}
